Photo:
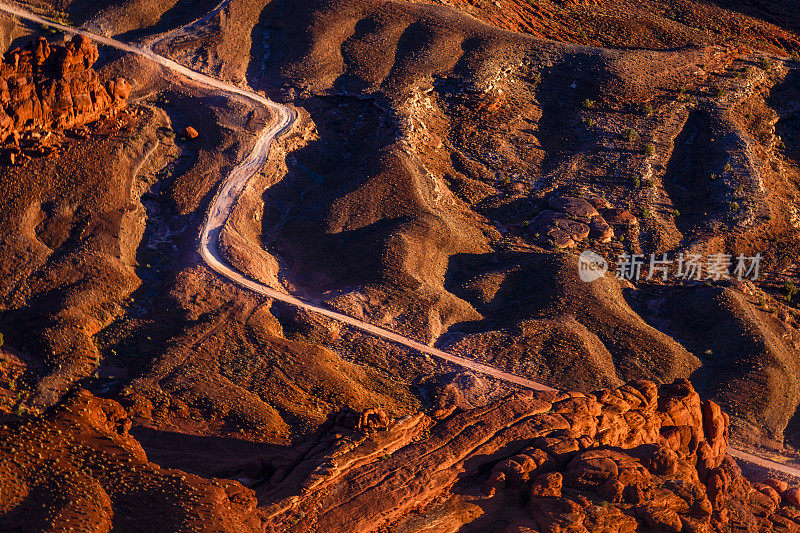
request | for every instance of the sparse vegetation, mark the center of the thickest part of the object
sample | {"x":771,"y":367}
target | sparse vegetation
{"x":676,"y":213}
{"x":717,"y":92}
{"x":47,"y":29}
{"x":649,"y":150}
{"x":630,"y":135}
{"x":765,"y":64}
{"x":791,"y":290}
{"x":647,"y":109}
{"x":589,"y":104}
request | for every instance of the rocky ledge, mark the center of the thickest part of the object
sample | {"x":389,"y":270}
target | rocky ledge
{"x":50,"y":86}
{"x":636,"y":458}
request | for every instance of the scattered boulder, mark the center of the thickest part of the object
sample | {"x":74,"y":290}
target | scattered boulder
{"x":190,"y":133}
{"x":620,"y":217}
{"x":576,"y":208}
{"x":571,"y":220}
{"x":599,"y":230}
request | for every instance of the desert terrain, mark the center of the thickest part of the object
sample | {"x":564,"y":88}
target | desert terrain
{"x":316,"y":266}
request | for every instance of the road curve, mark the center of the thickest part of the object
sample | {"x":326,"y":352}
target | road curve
{"x":226,"y":197}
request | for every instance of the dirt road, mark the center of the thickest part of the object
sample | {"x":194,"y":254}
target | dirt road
{"x":235,"y":183}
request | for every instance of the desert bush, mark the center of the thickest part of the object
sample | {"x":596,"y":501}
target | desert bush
{"x":791,"y":290}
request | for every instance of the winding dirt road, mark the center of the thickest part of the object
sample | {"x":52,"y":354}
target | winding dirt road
{"x":226,"y":198}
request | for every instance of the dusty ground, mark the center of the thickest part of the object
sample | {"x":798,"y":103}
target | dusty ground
{"x":430,"y":138}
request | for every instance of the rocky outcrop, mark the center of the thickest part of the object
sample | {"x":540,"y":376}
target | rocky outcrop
{"x":54,"y":87}
{"x":571,"y":220}
{"x":76,"y":468}
{"x":635,"y":458}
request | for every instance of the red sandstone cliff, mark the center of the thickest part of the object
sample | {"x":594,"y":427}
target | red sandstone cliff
{"x":53,"y":86}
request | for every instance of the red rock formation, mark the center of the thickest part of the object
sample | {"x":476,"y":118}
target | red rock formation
{"x":76,"y":468}
{"x":636,"y":458}
{"x":51,"y":86}
{"x":571,"y":220}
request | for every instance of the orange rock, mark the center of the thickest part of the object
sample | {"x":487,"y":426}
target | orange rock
{"x":52,"y":86}
{"x":792,"y":496}
{"x":190,"y":133}
{"x":715,"y":427}
{"x":547,"y":485}
{"x":779,"y":485}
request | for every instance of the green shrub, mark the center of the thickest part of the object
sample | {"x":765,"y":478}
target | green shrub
{"x":649,"y":150}
{"x":765,"y":64}
{"x":647,"y":109}
{"x":589,"y":104}
{"x":791,"y":290}
{"x":630,"y":135}
{"x":717,"y":92}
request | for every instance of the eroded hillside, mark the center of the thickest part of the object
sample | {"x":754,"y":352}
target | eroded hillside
{"x":448,"y":166}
